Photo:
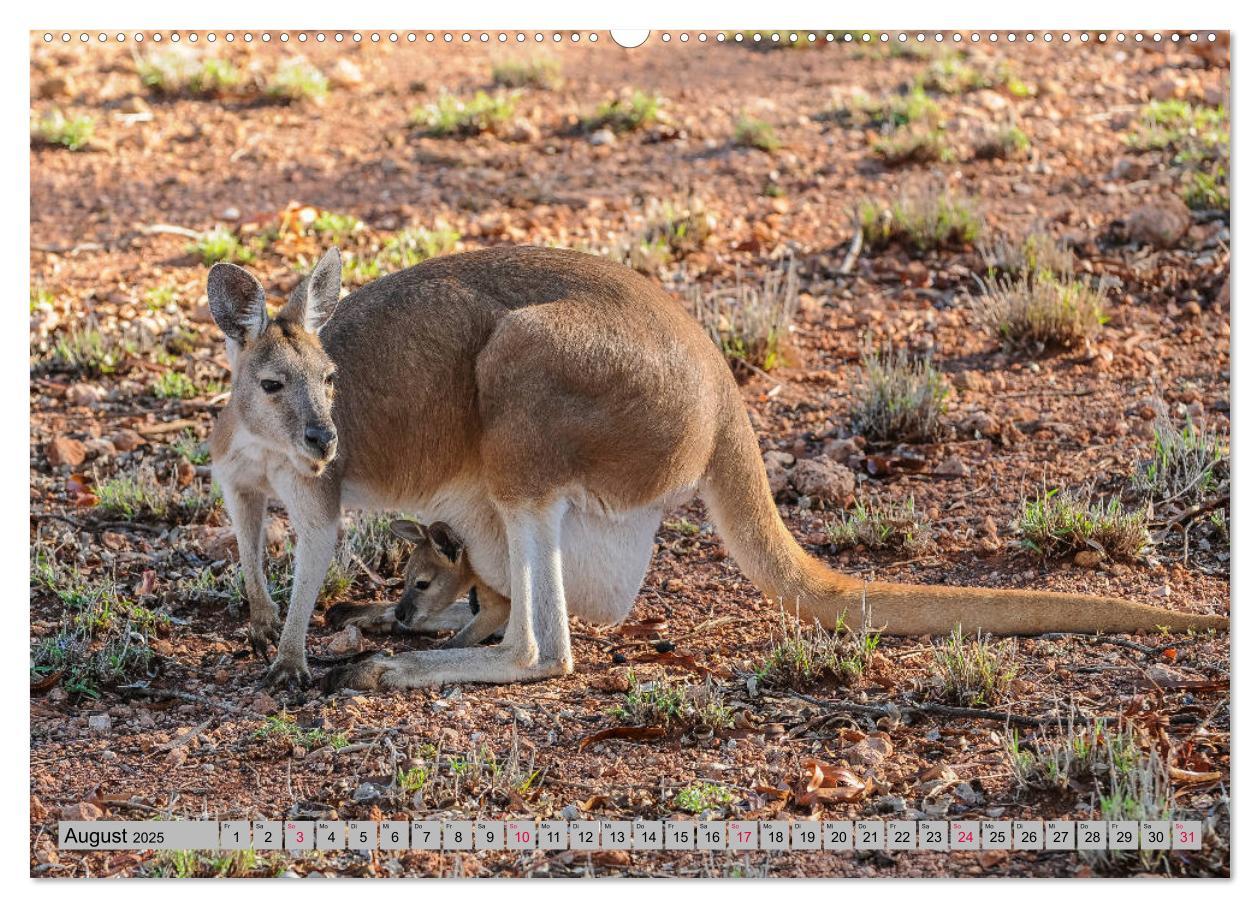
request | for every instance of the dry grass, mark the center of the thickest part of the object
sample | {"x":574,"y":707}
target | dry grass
{"x":898,"y":399}
{"x":921,"y":220}
{"x":881,"y":526}
{"x":1062,"y":523}
{"x":750,"y":323}
{"x":975,"y":672}
{"x":1038,"y":311}
{"x":805,"y":655}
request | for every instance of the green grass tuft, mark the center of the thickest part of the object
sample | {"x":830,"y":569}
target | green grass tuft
{"x":974,"y":672}
{"x":881,"y":526}
{"x":297,"y":80}
{"x":536,"y":72}
{"x":452,"y":116}
{"x":1038,"y":311}
{"x":626,"y":114}
{"x":749,"y":323}
{"x":752,"y":133}
{"x":55,"y":128}
{"x":920,"y":220}
{"x":1058,"y":523}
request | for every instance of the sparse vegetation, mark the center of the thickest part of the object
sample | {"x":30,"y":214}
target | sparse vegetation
{"x":749,"y":323}
{"x":535,"y":72}
{"x":221,"y":245}
{"x":921,"y":220}
{"x":881,"y":526}
{"x":671,"y":704}
{"x":409,"y":246}
{"x":914,"y":145}
{"x":1005,"y":143}
{"x":139,"y":495}
{"x":1194,"y":132}
{"x":702,"y":796}
{"x":452,"y":116}
{"x":1059,"y":523}
{"x":297,"y":80}
{"x":1037,"y":253}
{"x":282,"y":726}
{"x":55,"y":128}
{"x":1186,"y":465}
{"x":213,"y":864}
{"x":974,"y":672}
{"x":804,"y":656}
{"x":87,"y":351}
{"x":625,"y":114}
{"x":1038,"y":311}
{"x":899,"y":399}
{"x":890,"y":111}
{"x":752,"y":133}
{"x":335,"y":227}
{"x":178,"y":71}
{"x":174,"y":385}
{"x":1207,"y":189}
{"x":103,"y":638}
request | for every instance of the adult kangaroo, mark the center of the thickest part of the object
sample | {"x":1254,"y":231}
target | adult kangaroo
{"x":549,"y":406}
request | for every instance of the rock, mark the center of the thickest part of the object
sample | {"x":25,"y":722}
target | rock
{"x":219,"y":543}
{"x":65,"y":451}
{"x":603,"y":137}
{"x":264,"y":703}
{"x":59,"y":86}
{"x":1160,"y":225}
{"x":346,"y":642}
{"x":134,"y":105}
{"x":777,"y":464}
{"x":127,"y":440}
{"x":842,"y":449}
{"x":825,"y":481}
{"x":991,"y":101}
{"x":367,"y":792}
{"x":1088,"y":558}
{"x":980,"y":423}
{"x":101,"y":447}
{"x":523,"y":130}
{"x":81,"y":394}
{"x":82,"y":811}
{"x":972,"y":380}
{"x":345,"y":74}
{"x":953,"y":466}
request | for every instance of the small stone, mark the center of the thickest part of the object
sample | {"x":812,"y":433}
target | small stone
{"x":825,"y":481}
{"x":980,"y":423}
{"x":65,"y":451}
{"x":82,"y":811}
{"x":367,"y":792}
{"x":777,"y":464}
{"x":1088,"y":558}
{"x":82,"y":394}
{"x":842,"y":449}
{"x":603,"y":137}
{"x":953,"y":466}
{"x":1159,"y":225}
{"x":100,"y":723}
{"x":345,"y":74}
{"x":346,"y":642}
{"x":127,"y":440}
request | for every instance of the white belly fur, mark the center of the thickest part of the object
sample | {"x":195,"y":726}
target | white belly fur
{"x":604,"y":554}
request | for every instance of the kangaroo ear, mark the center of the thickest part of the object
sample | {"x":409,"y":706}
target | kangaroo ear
{"x":445,"y":542}
{"x":315,"y":297}
{"x":408,"y":530}
{"x":237,"y":302}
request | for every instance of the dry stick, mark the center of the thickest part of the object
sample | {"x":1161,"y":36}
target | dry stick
{"x":890,"y":710}
{"x":855,"y":249}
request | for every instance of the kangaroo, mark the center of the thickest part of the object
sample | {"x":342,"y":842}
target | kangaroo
{"x":550,"y":406}
{"x":436,"y":575}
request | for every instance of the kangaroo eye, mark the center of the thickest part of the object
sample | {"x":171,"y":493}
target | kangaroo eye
{"x":271,"y":386}
{"x":328,"y":379}
{"x":422,"y":584}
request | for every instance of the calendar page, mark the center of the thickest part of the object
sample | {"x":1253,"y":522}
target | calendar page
{"x":663,"y":453}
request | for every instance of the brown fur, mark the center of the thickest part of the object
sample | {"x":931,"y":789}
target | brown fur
{"x":531,"y":397}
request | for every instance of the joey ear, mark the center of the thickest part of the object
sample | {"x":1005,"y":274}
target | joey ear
{"x":237,"y":302}
{"x":445,"y":542}
{"x":315,"y":297}
{"x":408,"y":530}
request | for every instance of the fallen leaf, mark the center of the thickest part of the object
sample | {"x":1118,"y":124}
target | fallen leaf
{"x":871,"y":751}
{"x":628,"y":732}
{"x":1190,"y":778}
{"x":648,"y":630}
{"x":65,"y":451}
{"x":681,"y":660}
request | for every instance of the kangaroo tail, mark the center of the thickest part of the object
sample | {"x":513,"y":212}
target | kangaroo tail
{"x":737,"y":493}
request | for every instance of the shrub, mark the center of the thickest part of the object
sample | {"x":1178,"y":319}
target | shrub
{"x":1185,"y":467}
{"x":1005,"y":143}
{"x":701,"y":796}
{"x":87,"y":351}
{"x":174,"y":386}
{"x":625,"y":114}
{"x":751,"y":133}
{"x":890,"y":111}
{"x":176,"y":71}
{"x":807,"y":655}
{"x":674,"y":705}
{"x":1055,"y":524}
{"x":881,"y":526}
{"x":221,"y":245}
{"x":749,"y":323}
{"x":914,"y":145}
{"x":1038,"y":311}
{"x":899,"y":400}
{"x":297,"y":80}
{"x":55,"y":128}
{"x":922,"y":221}
{"x":973,"y":673}
{"x":537,"y":72}
{"x":1037,"y":253}
{"x":451,"y":116}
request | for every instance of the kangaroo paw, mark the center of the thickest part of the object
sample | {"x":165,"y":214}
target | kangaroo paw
{"x":285,"y":673}
{"x":263,"y":631}
{"x":365,"y":674}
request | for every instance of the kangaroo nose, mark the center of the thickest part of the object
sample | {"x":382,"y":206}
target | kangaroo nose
{"x":320,"y":437}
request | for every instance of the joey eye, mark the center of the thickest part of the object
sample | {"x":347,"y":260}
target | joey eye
{"x":422,"y":584}
{"x":328,"y":379}
{"x":271,"y":386}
